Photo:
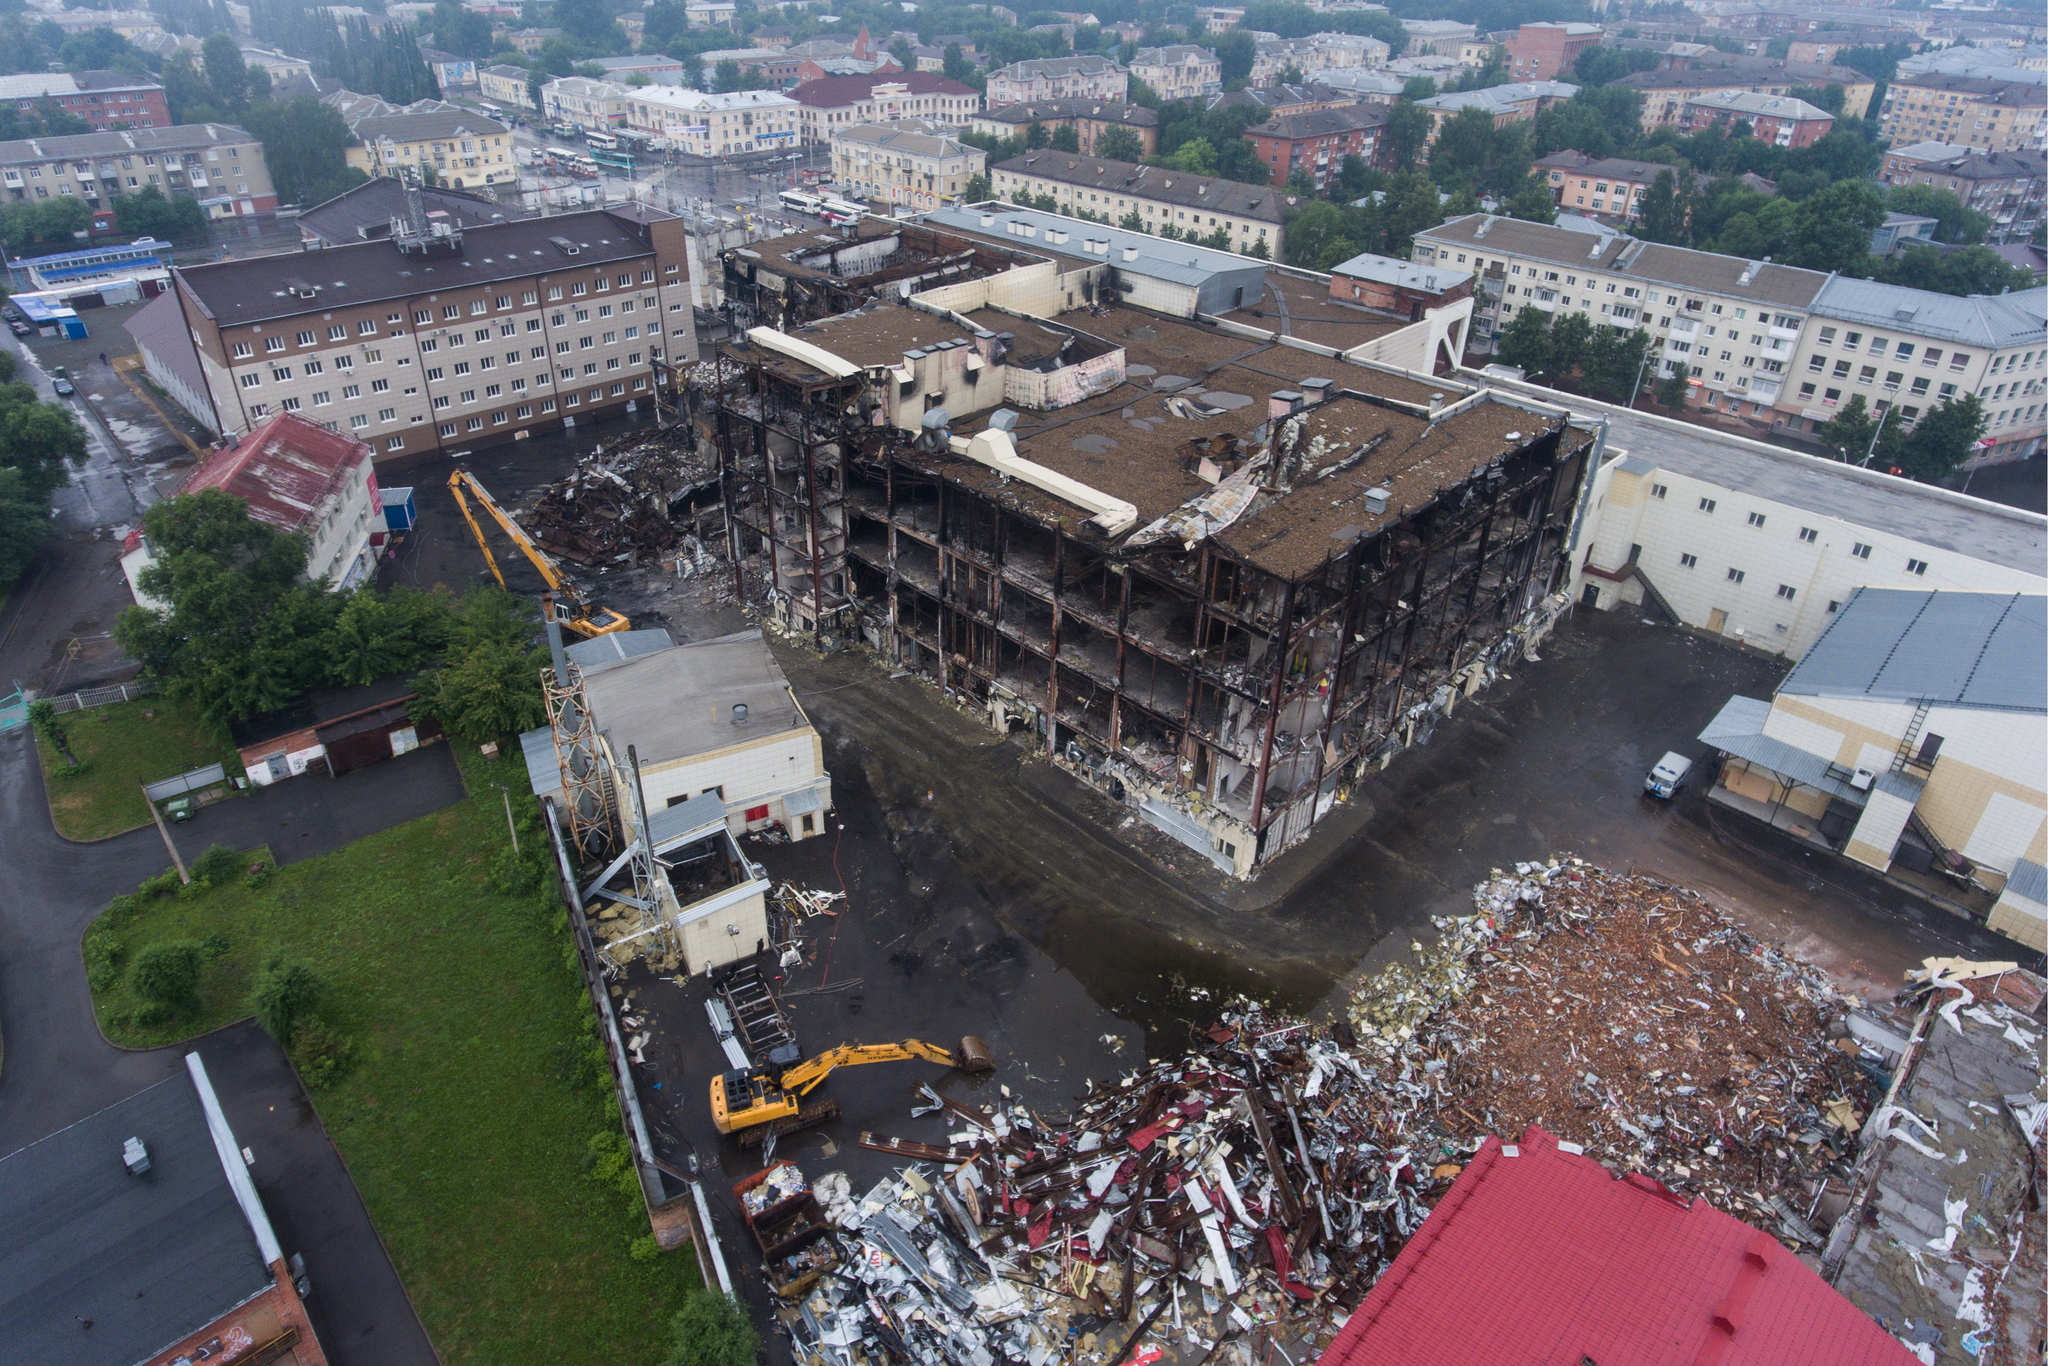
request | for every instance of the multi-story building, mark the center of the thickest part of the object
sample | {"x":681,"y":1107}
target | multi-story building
{"x":530,"y":40}
{"x":452,"y":74}
{"x":1089,"y":119}
{"x":704,"y":125}
{"x":1315,"y":144}
{"x":1506,"y":103}
{"x":440,"y":338}
{"x":1274,"y":57}
{"x":1152,"y":198}
{"x":910,"y":162}
{"x":1179,"y":72}
{"x":1665,"y":92}
{"x":1548,"y":52}
{"x":774,"y":66}
{"x":1969,"y":111}
{"x":507,"y":85}
{"x":1366,"y":87}
{"x":1396,"y":286}
{"x":105,"y":99}
{"x":1911,"y":349}
{"x":220,"y":166}
{"x":461,"y":148}
{"x":842,"y":101}
{"x":1437,"y":37}
{"x":1051,"y":78}
{"x":1475,"y":53}
{"x":1277,"y":99}
{"x":1611,"y":187}
{"x":2005,"y":187}
{"x":581,"y":100}
{"x":1779,"y":120}
{"x":1735,"y":324}
{"x":655,"y":66}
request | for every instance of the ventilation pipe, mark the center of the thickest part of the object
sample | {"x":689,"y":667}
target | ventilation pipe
{"x":996,"y":448}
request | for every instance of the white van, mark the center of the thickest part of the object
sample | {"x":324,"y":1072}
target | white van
{"x":1668,"y":775}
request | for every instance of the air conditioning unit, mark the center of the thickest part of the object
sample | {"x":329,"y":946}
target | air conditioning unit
{"x":1862,"y":780}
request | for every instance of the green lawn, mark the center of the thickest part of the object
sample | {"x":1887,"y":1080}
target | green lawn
{"x":467,"y":1118}
{"x":119,"y":748}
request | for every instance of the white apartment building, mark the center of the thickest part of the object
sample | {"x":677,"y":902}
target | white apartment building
{"x":1179,"y":72}
{"x":1913,"y":349}
{"x":842,"y":101}
{"x":1051,"y":78}
{"x":1735,"y":323}
{"x":909,"y":162}
{"x":1317,"y":52}
{"x":578,"y":99}
{"x":715,"y":125}
{"x":507,"y":85}
{"x":1437,"y":37}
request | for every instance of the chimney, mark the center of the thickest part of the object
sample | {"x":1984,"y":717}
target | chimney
{"x":1130,"y":253}
{"x":1317,"y":390}
{"x":1281,"y":402}
{"x":1376,"y":500}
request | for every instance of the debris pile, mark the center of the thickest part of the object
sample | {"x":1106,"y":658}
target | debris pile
{"x":653,"y":500}
{"x":1239,"y":1201}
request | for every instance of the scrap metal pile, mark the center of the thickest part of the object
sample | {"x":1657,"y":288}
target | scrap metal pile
{"x":632,"y":504}
{"x":1244,"y":1197}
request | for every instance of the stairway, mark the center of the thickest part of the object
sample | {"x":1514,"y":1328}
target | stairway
{"x":1909,"y":744}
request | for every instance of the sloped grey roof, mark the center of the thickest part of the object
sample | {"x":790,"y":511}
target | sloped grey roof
{"x":159,"y":328}
{"x":1996,"y":321}
{"x":590,"y":655}
{"x":181,"y":137}
{"x":1738,"y":729}
{"x":1165,"y":184}
{"x":1979,"y":650}
{"x":672,"y":825}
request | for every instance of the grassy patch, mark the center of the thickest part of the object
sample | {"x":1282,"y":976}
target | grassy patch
{"x":476,"y":1087}
{"x":118,"y":749}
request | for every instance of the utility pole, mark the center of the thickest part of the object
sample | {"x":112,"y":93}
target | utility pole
{"x":165,"y":831}
{"x":1865,"y":461}
{"x":1643,"y":365}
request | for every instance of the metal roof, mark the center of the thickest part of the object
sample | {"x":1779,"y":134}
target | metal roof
{"x":1994,"y":321}
{"x":143,"y":1260}
{"x":1388,"y":270}
{"x":1163,"y":184}
{"x":678,"y":703}
{"x":590,"y":655}
{"x":1738,"y":729}
{"x":1181,"y":262}
{"x":177,"y":138}
{"x":286,"y":469}
{"x":1499,"y":99}
{"x":686,"y":821}
{"x":1986,"y":651}
{"x":2029,"y":880}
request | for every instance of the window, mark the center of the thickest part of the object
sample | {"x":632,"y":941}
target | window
{"x":351,"y":391}
{"x":1860,"y":551}
{"x":281,"y":372}
{"x":1689,"y":561}
{"x":604,"y":312}
{"x":1833,"y":604}
{"x":424,"y":315}
{"x":380,"y":386}
{"x":440,"y":402}
{"x":1806,"y":391}
{"x":429,"y":344}
{"x":447,"y":429}
{"x":250,"y":381}
{"x":533,"y":324}
{"x":575,"y":292}
{"x":482,"y":334}
{"x":451,"y":310}
{"x":1807,"y":533}
{"x":337,"y":333}
{"x":1916,"y":566}
{"x":322,"y":399}
{"x":1787,"y":592}
{"x":434,"y":373}
{"x":1756,"y":519}
{"x":273,"y":343}
{"x":243,"y":351}
{"x":387,"y":414}
{"x":307,"y":338}
{"x":474,"y":424}
{"x":1816,"y":364}
{"x":1735,"y":576}
{"x":359,"y":420}
{"x":1706,"y":505}
{"x":396,"y":443}
{"x":529,"y":297}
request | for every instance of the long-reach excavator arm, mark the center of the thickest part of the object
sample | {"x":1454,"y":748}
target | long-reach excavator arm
{"x":743,"y":1099}
{"x":583,"y":619}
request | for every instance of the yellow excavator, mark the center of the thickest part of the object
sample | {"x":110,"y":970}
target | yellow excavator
{"x":579,"y":616}
{"x":756,"y":1102}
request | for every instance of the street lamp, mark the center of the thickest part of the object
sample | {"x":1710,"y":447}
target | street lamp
{"x":1644,"y":364}
{"x":1864,"y":463}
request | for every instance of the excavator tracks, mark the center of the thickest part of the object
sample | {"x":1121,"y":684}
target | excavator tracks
{"x":810,"y":1117}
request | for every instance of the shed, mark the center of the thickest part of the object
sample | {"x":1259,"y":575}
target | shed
{"x":337,"y":730}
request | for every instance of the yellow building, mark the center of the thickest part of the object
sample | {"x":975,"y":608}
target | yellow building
{"x":462,"y":149}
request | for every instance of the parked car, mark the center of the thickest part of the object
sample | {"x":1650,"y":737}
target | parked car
{"x":1668,"y":776}
{"x":21,"y":329}
{"x":63,"y":387}
{"x":11,"y":313}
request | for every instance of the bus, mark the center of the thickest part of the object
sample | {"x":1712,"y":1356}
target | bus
{"x":842,"y":211}
{"x":620,"y":161}
{"x":581,"y":166}
{"x":601,"y":141}
{"x":800,"y":202}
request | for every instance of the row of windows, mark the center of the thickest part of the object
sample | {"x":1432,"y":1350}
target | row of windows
{"x":1808,"y":534}
{"x":473,"y":424}
{"x":477,"y":307}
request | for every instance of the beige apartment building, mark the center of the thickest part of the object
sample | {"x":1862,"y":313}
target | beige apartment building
{"x":1610,"y":188}
{"x":882,"y":97}
{"x":462,"y":149}
{"x":1316,"y":52}
{"x":219,"y":165}
{"x":910,"y":162}
{"x":578,"y":99}
{"x":1179,"y":72}
{"x":440,"y":339}
{"x":1151,"y":198}
{"x":1969,"y":111}
{"x":1049,"y":78}
{"x":715,"y":125}
{"x":508,"y":85}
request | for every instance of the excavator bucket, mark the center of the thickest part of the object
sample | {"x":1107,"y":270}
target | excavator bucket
{"x":974,"y":1056}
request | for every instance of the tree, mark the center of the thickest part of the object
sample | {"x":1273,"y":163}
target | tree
{"x":1235,"y":50}
{"x":1849,"y":433}
{"x":711,"y":1330}
{"x":461,"y":31}
{"x":1954,"y":222}
{"x":1300,"y":182}
{"x":900,"y":50}
{"x":42,"y":442}
{"x":1666,"y":208}
{"x":1973,"y":270}
{"x":1319,"y":232}
{"x":24,"y":524}
{"x":1532,"y":202}
{"x":589,"y":22}
{"x":1945,"y":436}
{"x":1571,"y":336}
{"x":1354,"y":179}
{"x":1412,"y":205}
{"x":284,"y":995}
{"x":1065,"y":138}
{"x":1525,"y":341}
{"x":168,"y":974}
{"x":186,"y":92}
{"x":725,"y":77}
{"x":1119,"y":144}
{"x":227,"y":76}
{"x":1406,"y":132}
{"x":1832,"y":229}
{"x":306,"y":144}
{"x":957,"y":68}
{"x":375,"y":636}
{"x":1612,"y":361}
{"x":978,"y":189}
{"x":489,"y":684}
{"x":1197,"y":157}
{"x":1674,"y":389}
{"x":1464,"y":147}
{"x":147,"y":212}
{"x":52,"y":221}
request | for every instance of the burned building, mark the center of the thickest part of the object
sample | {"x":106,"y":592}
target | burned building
{"x":1203,"y":571}
{"x":787,"y":281}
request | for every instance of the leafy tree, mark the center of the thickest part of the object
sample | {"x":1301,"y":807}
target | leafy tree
{"x":1120,"y":144}
{"x":1973,"y":270}
{"x":24,"y":524}
{"x":1673,"y":390}
{"x":1525,"y":341}
{"x":1197,"y":157}
{"x":168,"y":974}
{"x":900,"y":50}
{"x":306,"y":144}
{"x":461,"y":31}
{"x":375,"y":636}
{"x":1571,"y":335}
{"x":1666,"y":208}
{"x":958,"y":68}
{"x":1532,"y":202}
{"x":40,"y":442}
{"x":589,"y":22}
{"x":711,"y":1330}
{"x":1945,"y":436}
{"x":148,"y":212}
{"x":284,"y":995}
{"x":1833,"y":227}
{"x":1299,"y":182}
{"x":1065,"y":138}
{"x":1354,"y":179}
{"x":725,"y":77}
{"x":1954,"y":222}
{"x":1849,"y":433}
{"x":41,"y":222}
{"x":1612,"y":361}
{"x":1412,"y":205}
{"x":1600,"y":65}
{"x":1235,"y":50}
{"x":1418,"y":88}
{"x":1318,"y":233}
{"x":978,"y":189}
{"x":227,"y":76}
{"x":485,"y":692}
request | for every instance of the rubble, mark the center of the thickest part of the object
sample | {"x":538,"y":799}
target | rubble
{"x":651,"y":500}
{"x":1236,"y":1203}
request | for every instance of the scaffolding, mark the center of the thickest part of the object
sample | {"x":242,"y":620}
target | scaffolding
{"x":587,"y":798}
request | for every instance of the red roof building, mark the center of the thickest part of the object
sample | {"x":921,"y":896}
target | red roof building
{"x":302,"y":478}
{"x":842,"y":101}
{"x":1537,"y":1254}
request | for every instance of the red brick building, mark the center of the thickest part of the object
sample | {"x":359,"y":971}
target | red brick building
{"x":1398,"y":286}
{"x":105,"y":99}
{"x":1316,"y":143}
{"x":1777,"y":119}
{"x":1547,"y":52}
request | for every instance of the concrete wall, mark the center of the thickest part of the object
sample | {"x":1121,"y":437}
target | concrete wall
{"x":2021,"y":918}
{"x":1420,"y":346}
{"x":1042,"y":290}
{"x":727,"y":934}
{"x":1628,"y":510}
{"x":752,"y":774}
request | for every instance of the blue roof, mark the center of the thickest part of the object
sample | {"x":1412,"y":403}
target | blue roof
{"x":147,"y":246}
{"x":1979,"y":650}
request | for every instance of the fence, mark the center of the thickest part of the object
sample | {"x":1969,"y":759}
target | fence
{"x":100,"y":697}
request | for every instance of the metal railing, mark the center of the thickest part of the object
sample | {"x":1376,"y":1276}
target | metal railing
{"x":86,"y":698}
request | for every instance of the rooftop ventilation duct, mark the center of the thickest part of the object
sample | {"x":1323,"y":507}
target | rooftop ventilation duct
{"x":1376,"y":500}
{"x":739,"y":713}
{"x":1316,"y":390}
{"x":1130,"y":253}
{"x":135,"y":1156}
{"x":565,"y":246}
